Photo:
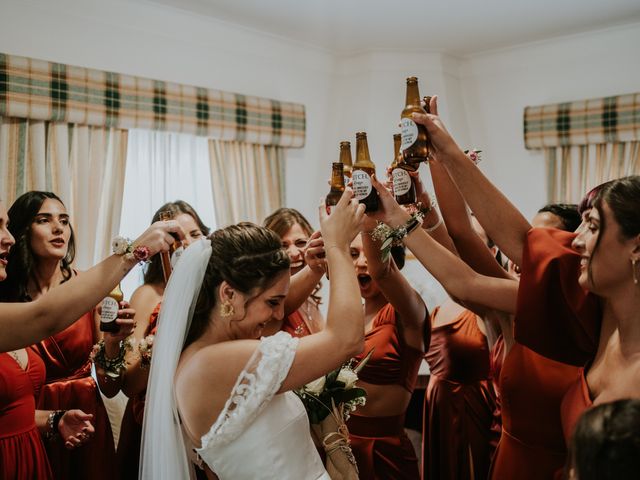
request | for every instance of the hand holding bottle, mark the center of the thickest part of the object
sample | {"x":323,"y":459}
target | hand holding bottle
{"x":389,"y":211}
{"x":342,"y":226}
{"x":442,"y":142}
{"x":314,"y":254}
{"x":158,"y":238}
{"x":126,"y":325}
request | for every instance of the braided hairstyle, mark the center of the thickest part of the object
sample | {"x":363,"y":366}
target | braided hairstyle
{"x":247,"y":257}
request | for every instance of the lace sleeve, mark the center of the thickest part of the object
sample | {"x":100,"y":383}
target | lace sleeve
{"x":256,"y":385}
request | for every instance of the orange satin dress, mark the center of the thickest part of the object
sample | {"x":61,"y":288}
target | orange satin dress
{"x":558,"y":319}
{"x":380,"y":445}
{"x":69,"y":385}
{"x":128,"y":454}
{"x":295,"y":325}
{"x":459,"y":403}
{"x":22,"y":453}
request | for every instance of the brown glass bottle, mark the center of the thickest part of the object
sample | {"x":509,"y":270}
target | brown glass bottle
{"x":403,"y":187}
{"x":361,"y":175}
{"x":345,"y":159}
{"x":415,"y":142}
{"x":109,"y":310}
{"x":337,"y":185}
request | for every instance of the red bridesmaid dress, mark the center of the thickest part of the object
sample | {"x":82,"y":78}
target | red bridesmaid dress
{"x":69,"y":385}
{"x":22,"y":453}
{"x":459,"y":404}
{"x":380,"y":444}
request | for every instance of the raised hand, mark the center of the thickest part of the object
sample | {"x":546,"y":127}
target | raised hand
{"x":158,"y":238}
{"x":314,"y":254}
{"x":443,"y":143}
{"x":75,"y":428}
{"x":389,"y":211}
{"x":126,"y":325}
{"x":342,"y":226}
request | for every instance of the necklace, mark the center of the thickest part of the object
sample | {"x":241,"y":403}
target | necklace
{"x":14,"y":355}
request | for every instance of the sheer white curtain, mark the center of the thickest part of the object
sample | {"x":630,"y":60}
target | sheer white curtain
{"x":163,"y":167}
{"x":83,"y":165}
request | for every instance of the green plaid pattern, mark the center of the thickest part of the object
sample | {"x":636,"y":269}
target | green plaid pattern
{"x":587,"y":122}
{"x":43,"y":90}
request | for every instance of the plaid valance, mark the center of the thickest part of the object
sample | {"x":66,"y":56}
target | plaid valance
{"x":586,"y":122}
{"x":44,"y":90}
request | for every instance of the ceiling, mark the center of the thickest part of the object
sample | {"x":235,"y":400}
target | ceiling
{"x":457,"y":27}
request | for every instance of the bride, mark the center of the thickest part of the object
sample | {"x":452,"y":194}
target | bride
{"x":218,"y":393}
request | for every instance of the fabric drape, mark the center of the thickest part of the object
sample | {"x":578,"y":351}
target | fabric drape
{"x":83,"y":165}
{"x":247,"y":181}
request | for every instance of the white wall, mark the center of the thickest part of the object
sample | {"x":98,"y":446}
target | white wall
{"x":143,"y":39}
{"x":497,"y":86}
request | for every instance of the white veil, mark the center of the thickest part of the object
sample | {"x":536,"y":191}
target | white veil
{"x":163,"y":453}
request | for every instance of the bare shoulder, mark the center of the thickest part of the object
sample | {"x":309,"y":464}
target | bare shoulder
{"x":146,"y":294}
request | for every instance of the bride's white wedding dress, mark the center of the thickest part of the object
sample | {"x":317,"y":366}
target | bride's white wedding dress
{"x":261,"y":435}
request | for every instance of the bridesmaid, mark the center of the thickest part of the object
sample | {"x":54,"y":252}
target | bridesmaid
{"x":146,"y":301}
{"x":395,"y":318}
{"x":39,"y":262}
{"x":304,"y":247}
{"x":22,"y":374}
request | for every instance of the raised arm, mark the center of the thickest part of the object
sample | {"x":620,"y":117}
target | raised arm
{"x":498,"y":216}
{"x":460,"y":280}
{"x":407,"y":303}
{"x":24,"y":324}
{"x":471,"y":248}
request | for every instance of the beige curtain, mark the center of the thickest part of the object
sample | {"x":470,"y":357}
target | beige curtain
{"x":573,"y":171}
{"x":83,"y":165}
{"x":247,"y":181}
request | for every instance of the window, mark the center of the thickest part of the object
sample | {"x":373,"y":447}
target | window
{"x":163,"y":167}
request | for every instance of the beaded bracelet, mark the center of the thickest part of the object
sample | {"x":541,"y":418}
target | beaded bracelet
{"x":52,"y":422}
{"x":113,"y":367}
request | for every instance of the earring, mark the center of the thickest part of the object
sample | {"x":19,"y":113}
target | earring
{"x":226,"y":310}
{"x":633,"y":267}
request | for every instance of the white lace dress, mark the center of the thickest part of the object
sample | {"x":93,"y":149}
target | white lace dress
{"x":261,"y":435}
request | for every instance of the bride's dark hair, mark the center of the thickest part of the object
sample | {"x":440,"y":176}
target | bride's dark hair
{"x":247,"y":257}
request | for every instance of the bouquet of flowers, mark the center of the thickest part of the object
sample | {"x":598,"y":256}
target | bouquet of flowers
{"x":329,"y":400}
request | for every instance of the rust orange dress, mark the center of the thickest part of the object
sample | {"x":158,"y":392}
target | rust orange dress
{"x":556,"y":318}
{"x":295,"y":325}
{"x":459,"y":403}
{"x":128,"y":454}
{"x":380,"y":444}
{"x":22,"y":453}
{"x":69,"y":385}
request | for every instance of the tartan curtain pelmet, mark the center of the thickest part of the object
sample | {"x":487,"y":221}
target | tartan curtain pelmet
{"x":42,"y":90}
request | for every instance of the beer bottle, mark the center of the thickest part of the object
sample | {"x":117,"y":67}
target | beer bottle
{"x":415,"y":143}
{"x":345,"y":159}
{"x":361,"y":175}
{"x":403,"y":187}
{"x":337,"y":184}
{"x":109,"y":311}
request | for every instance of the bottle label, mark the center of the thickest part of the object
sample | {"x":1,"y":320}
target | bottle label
{"x":401,"y":182}
{"x":346,"y":180}
{"x":361,"y":184}
{"x":109,"y":310}
{"x":409,"y":131}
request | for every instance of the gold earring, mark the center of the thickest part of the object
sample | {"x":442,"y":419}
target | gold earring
{"x":226,"y":309}
{"x":633,"y":267}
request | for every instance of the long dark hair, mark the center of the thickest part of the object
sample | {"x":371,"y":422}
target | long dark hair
{"x":567,"y":213}
{"x":21,"y":260}
{"x":623,"y":198}
{"x":153,"y":273}
{"x":248,"y":257}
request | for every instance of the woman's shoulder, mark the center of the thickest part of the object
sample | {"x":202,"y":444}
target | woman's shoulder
{"x":147,"y":293}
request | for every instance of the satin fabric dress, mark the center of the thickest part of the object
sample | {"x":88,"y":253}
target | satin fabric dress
{"x":22,"y":452}
{"x":128,"y":453}
{"x":69,"y":385}
{"x":459,"y":403}
{"x":556,"y":318}
{"x":380,"y":444}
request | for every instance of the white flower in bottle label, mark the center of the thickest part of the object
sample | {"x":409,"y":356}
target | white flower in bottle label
{"x":348,"y":377}
{"x":316,"y":386}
